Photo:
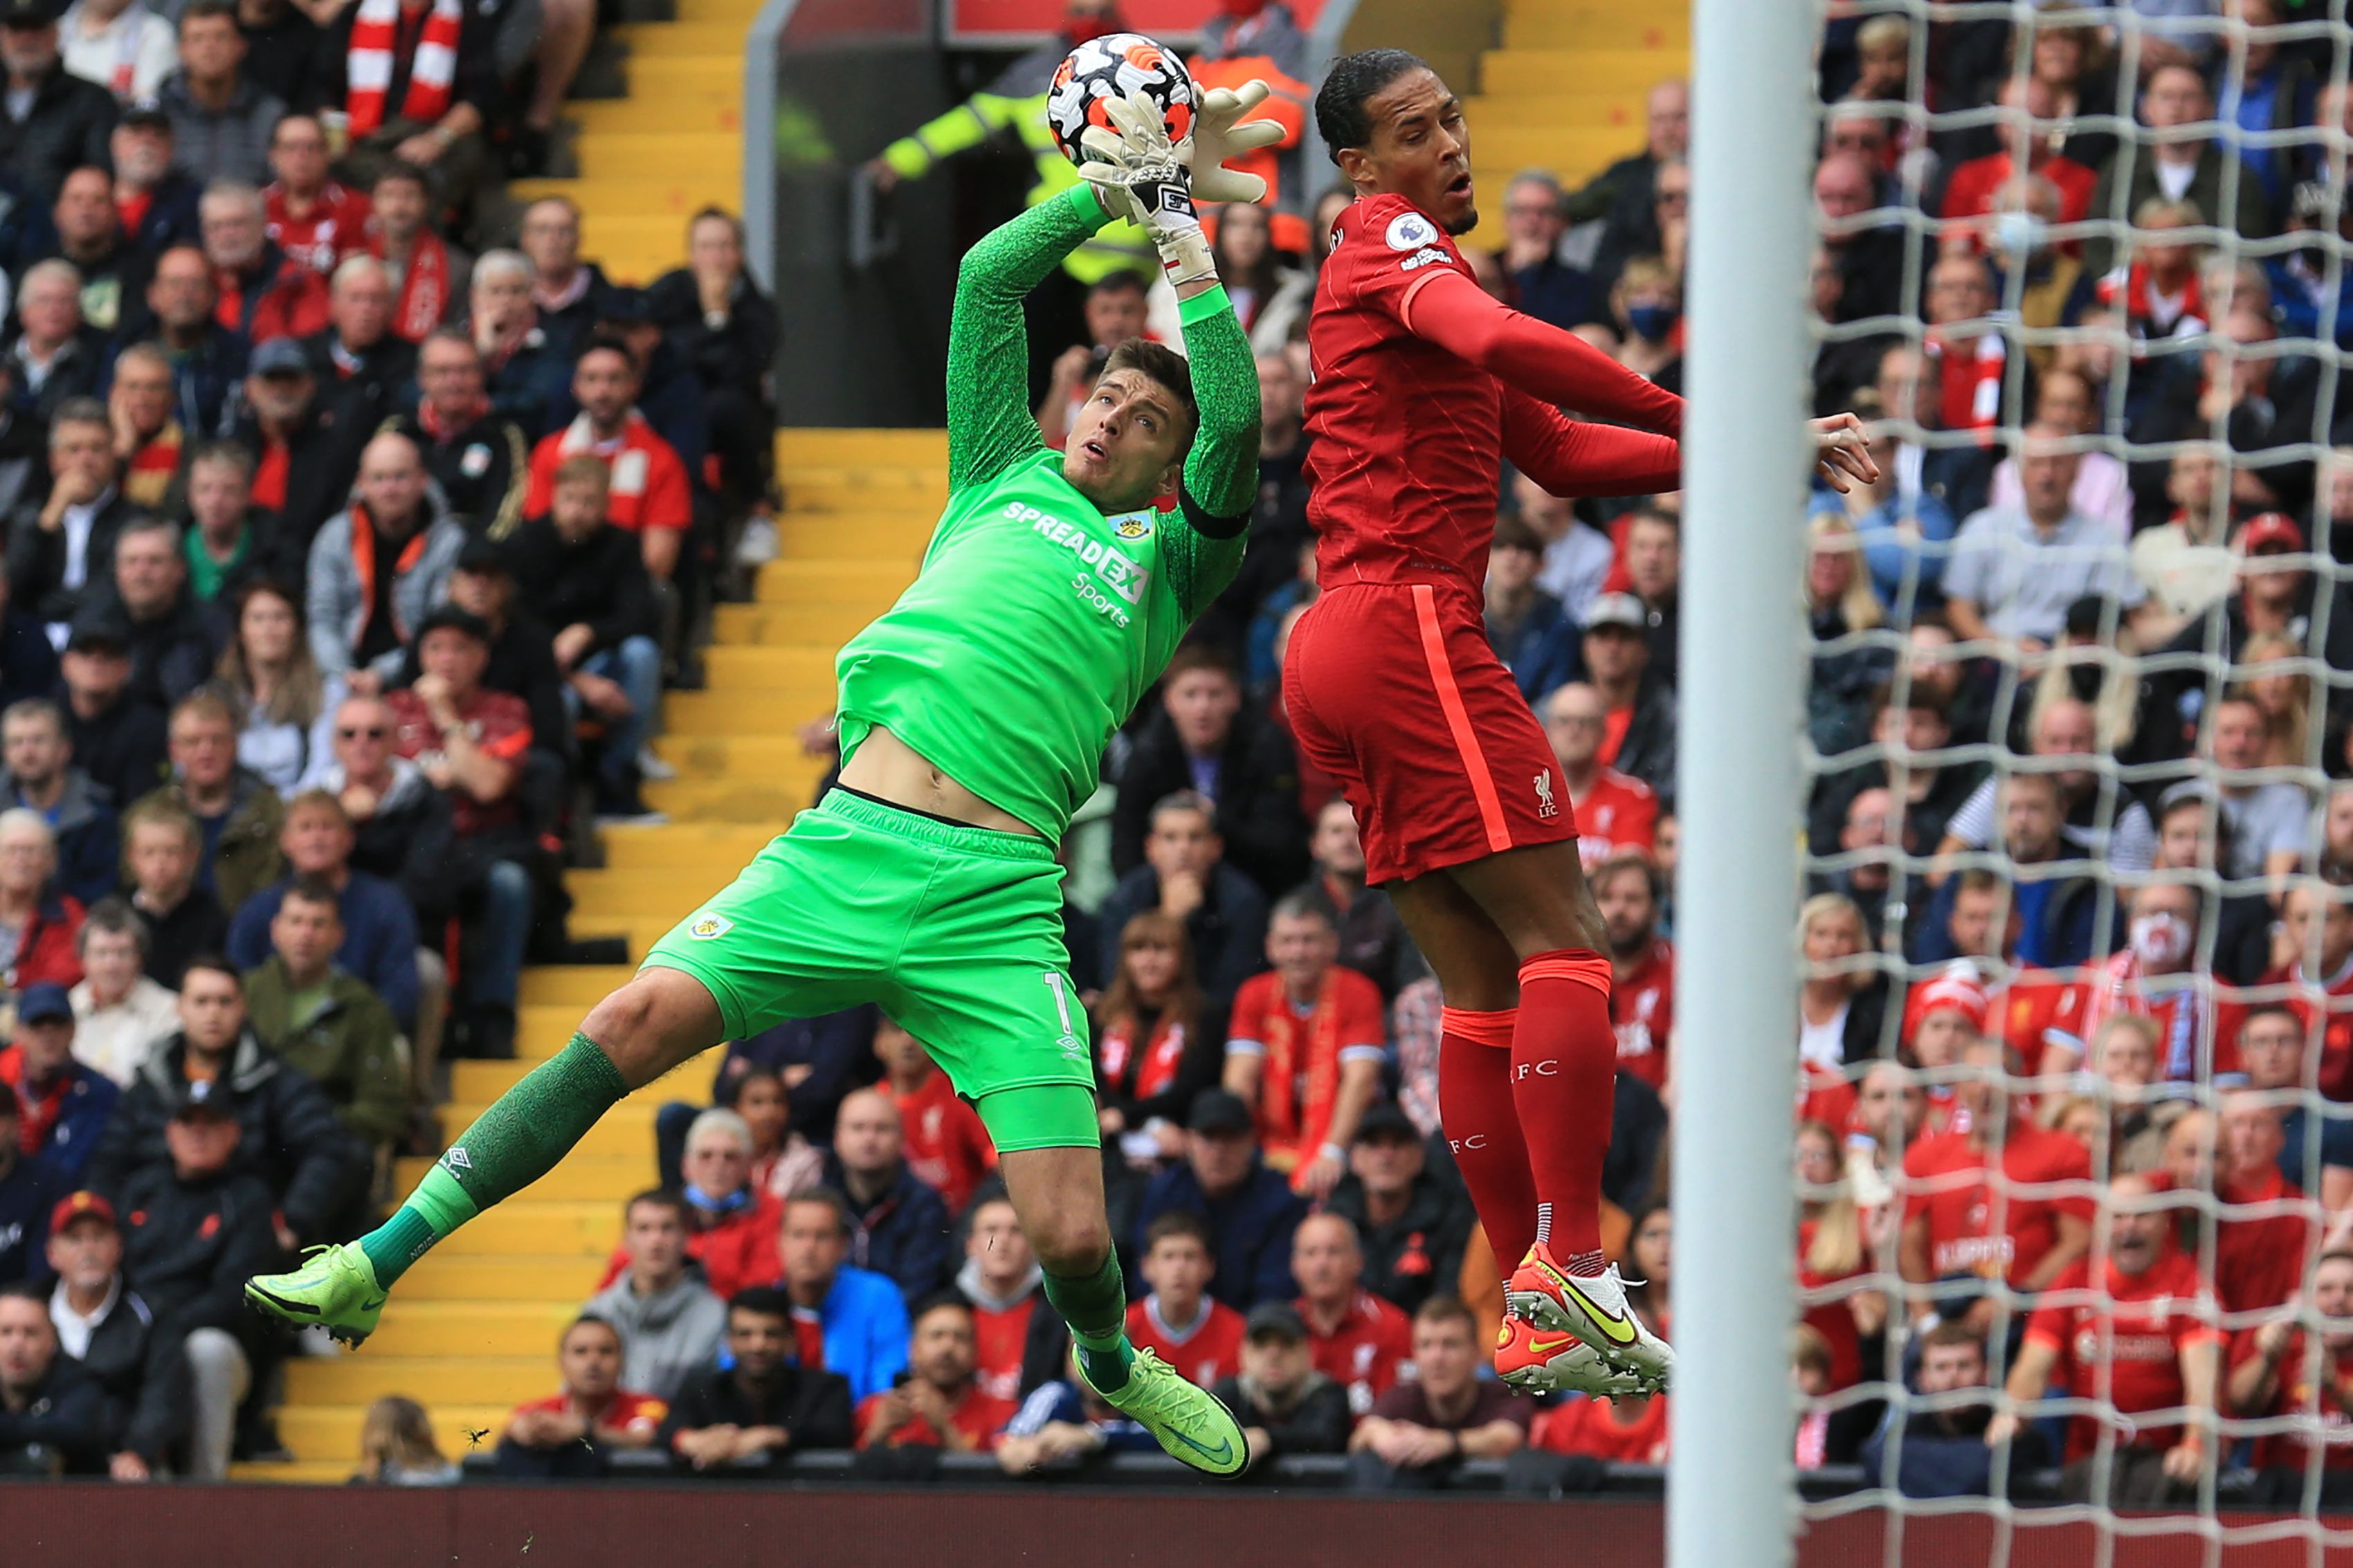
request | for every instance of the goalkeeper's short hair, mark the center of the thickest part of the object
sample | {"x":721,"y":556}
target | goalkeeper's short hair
{"x":1166,"y":366}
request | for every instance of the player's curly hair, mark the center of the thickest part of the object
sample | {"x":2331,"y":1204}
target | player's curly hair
{"x":1340,"y":117}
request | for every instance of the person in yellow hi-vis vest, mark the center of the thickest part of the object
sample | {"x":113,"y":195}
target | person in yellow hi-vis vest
{"x":1015,"y":102}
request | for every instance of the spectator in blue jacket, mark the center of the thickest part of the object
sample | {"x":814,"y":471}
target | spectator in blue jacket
{"x":67,"y":1102}
{"x":40,"y":777}
{"x":27,"y":1192}
{"x":899,"y":1226}
{"x":861,"y":1313}
{"x":1250,"y":1211}
{"x":1527,"y":626}
{"x":1943,"y":1450}
{"x":379,"y":926}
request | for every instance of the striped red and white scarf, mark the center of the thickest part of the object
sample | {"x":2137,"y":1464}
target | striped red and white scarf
{"x":368,"y":68}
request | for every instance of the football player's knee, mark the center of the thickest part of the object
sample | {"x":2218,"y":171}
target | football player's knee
{"x":1069,"y":1240}
{"x":640,"y":1026}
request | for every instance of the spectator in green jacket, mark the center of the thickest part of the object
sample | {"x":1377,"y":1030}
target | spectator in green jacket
{"x":325,"y":1021}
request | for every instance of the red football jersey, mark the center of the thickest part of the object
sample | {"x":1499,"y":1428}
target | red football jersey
{"x":1209,"y":1350}
{"x":1408,"y":432}
{"x":1591,"y":1427}
{"x":2301,"y":1394}
{"x":2327,"y":1009}
{"x":622,"y":1411}
{"x":1834,"y":1320}
{"x":2128,"y":1353}
{"x":2198,"y":1025}
{"x":1618,"y":814}
{"x":2025,"y":1011}
{"x":334,"y":228}
{"x":1000,"y":1337}
{"x":2259,"y":1259}
{"x":980,"y":1416}
{"x":1642,"y":1009}
{"x":1364,"y":1352}
{"x":1946,"y":1178}
{"x":943,"y":1140}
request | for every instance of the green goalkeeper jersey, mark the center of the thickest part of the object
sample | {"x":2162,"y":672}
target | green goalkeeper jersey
{"x":1037,"y":623}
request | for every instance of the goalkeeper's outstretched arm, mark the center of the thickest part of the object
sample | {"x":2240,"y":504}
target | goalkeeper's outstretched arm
{"x":989,"y":425}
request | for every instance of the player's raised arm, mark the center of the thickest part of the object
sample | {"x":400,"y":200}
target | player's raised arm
{"x":1447,"y":309}
{"x":989,"y":424}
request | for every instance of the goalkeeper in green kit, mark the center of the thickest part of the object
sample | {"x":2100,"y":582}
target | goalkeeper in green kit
{"x":973,"y":717}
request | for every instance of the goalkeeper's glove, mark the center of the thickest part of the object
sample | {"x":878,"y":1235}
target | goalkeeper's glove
{"x":1144,"y":178}
{"x":1218,"y":138}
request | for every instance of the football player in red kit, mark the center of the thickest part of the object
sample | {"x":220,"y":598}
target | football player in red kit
{"x":1422,"y":384}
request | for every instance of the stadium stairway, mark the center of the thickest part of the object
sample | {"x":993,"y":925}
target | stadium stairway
{"x":1565,"y":92}
{"x":471,"y":1330}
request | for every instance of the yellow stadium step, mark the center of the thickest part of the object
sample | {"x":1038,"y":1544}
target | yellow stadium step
{"x":1547,"y":147}
{"x":1620,"y":113}
{"x":1528,"y":26}
{"x":576,"y":1229}
{"x":447,"y":1276}
{"x":302,"y":1472}
{"x":656,"y":848}
{"x":707,"y":113}
{"x":650,"y":154}
{"x":687,"y":193}
{"x":327,"y":1432}
{"x":896,"y":538}
{"x":729,"y":710}
{"x":578,"y":1179}
{"x":665,"y":40}
{"x":802,"y":581}
{"x":1569,"y":71}
{"x":721,"y":800}
{"x":573,"y":985}
{"x":785,"y":666}
{"x":767,"y":625}
{"x":646,"y":244}
{"x":860,"y":447}
{"x":433,"y":1380}
{"x":929,"y":478}
{"x":762,"y":757}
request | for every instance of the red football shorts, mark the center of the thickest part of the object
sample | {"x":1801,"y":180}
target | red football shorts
{"x":1391,"y":688}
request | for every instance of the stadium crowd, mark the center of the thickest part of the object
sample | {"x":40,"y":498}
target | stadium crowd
{"x":2073,"y":1077}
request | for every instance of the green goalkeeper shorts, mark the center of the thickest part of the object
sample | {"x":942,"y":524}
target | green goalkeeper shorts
{"x":954,"y":932}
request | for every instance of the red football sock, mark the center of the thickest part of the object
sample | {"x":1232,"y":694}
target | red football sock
{"x":1563,"y":1078}
{"x":1482,"y":1128}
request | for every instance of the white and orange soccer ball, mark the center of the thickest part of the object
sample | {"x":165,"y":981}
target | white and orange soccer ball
{"x":1112,"y":66}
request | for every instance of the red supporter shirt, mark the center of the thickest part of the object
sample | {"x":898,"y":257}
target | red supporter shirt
{"x":1642,"y":1011}
{"x":2259,"y":1260}
{"x":1618,"y":814}
{"x":2129,"y":1355}
{"x":498,"y":723}
{"x":2025,"y":1011}
{"x":1591,"y":1427}
{"x":1373,"y":1340}
{"x":2198,"y":1025}
{"x":809,"y":1338}
{"x":943,"y":1140}
{"x":1834,"y":1320}
{"x":980,"y":1416}
{"x":335,"y":227}
{"x":999,"y":1340}
{"x":1343,"y":1024}
{"x":2300,"y":1394}
{"x":2327,"y":1009}
{"x":1211,"y":1350}
{"x":739,"y":1250}
{"x":649,"y":486}
{"x":621,"y":1411}
{"x":1946,"y":1178}
{"x":1407,"y":429}
{"x":1975,"y":186}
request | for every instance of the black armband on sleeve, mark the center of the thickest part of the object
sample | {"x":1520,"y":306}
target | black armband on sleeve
{"x":1206,"y":523}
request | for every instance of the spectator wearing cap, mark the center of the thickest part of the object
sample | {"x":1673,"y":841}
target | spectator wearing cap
{"x":52,"y":120}
{"x":111,"y":1333}
{"x":173,"y":644}
{"x":229,"y":539}
{"x":1304,"y":1047}
{"x":310,"y":217}
{"x":208,"y":361}
{"x":1527,"y":624}
{"x":162,"y":852}
{"x":1284,"y":1404}
{"x":221,"y":118}
{"x":480,"y":457}
{"x":899,"y":1227}
{"x":428,"y":275}
{"x":379,"y":567}
{"x":62,"y":550}
{"x":943,"y":1141}
{"x":53,"y":1415}
{"x":940,"y":1404}
{"x":1179,"y":1321}
{"x":649,"y":494}
{"x":727,"y":330}
{"x":769,"y":1402}
{"x":367,"y":369}
{"x":1411,"y":1229}
{"x":1637,"y":707}
{"x":1420,"y":1432}
{"x":237,"y":813}
{"x":379,"y":940}
{"x":568,"y":292}
{"x":157,"y":202}
{"x":1251,"y":1210}
{"x":119,"y":1010}
{"x":61,"y":1104}
{"x":40,"y":775}
{"x":28,"y":1189}
{"x":54,"y":356}
{"x":568,"y":1435}
{"x":201,"y":1223}
{"x":671,"y":1322}
{"x":324,"y":1021}
{"x":264,"y":292}
{"x":120,"y":744}
{"x":589,"y":580}
{"x":302,"y":451}
{"x":1205,"y":739}
{"x":44,"y":921}
{"x":522,"y":661}
{"x":2268,"y":595}
{"x":1185,"y":877}
{"x":120,"y":45}
{"x":522,"y":370}
{"x":471,"y":743}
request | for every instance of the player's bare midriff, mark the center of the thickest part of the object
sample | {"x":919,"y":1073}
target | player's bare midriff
{"x":887,"y":768}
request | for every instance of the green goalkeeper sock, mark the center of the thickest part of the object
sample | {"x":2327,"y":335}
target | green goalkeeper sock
{"x":513,"y":1143}
{"x":1095,"y":1306}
